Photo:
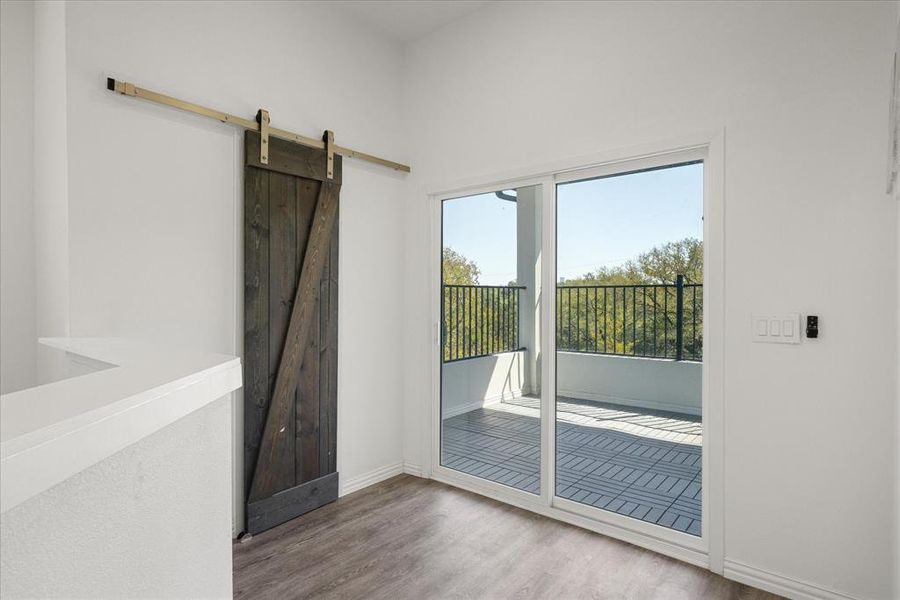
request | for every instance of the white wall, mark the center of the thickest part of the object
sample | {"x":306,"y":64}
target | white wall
{"x":896,"y":196}
{"x":169,"y":492}
{"x":476,"y":382}
{"x":155,"y":195}
{"x":668,"y":385}
{"x":801,"y":90}
{"x":17,"y":295}
{"x":51,"y":187}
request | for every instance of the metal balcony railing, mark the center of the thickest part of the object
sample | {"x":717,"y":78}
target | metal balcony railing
{"x":641,"y":320}
{"x":646,"y":320}
{"x":479,"y":320}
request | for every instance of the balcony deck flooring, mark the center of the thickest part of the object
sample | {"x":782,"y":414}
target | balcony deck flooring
{"x":643,"y":464}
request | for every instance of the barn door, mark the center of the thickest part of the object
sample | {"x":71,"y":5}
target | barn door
{"x":290,"y":331}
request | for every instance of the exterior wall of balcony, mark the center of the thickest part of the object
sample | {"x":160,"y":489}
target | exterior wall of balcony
{"x":476,"y":382}
{"x":668,"y":385}
{"x":659,"y":384}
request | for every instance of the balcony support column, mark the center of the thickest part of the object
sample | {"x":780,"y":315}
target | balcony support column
{"x":528,"y":261}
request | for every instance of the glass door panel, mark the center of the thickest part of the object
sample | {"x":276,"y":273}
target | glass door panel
{"x":490,"y":342}
{"x":629,"y":341}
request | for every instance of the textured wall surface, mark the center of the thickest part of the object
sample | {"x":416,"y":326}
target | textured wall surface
{"x":151,"y":521}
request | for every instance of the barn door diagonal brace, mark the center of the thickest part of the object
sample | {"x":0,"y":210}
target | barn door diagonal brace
{"x":129,"y":89}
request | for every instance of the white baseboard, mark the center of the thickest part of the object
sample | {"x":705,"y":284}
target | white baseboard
{"x":414,"y":470}
{"x":780,"y":584}
{"x":348,"y":486}
{"x":664,"y":406}
{"x":488,"y":401}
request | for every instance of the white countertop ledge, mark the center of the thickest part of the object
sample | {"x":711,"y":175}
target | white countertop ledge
{"x":50,"y":432}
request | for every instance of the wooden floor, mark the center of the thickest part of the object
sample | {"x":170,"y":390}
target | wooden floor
{"x":418,"y":539}
{"x":639,"y":463}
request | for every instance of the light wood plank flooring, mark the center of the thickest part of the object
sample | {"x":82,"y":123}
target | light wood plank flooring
{"x":418,"y":539}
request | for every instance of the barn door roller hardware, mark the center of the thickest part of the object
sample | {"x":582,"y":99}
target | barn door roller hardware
{"x":262,"y":117}
{"x":260,"y":124}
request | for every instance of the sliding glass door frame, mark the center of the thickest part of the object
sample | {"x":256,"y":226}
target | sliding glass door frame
{"x":706,"y":550}
{"x":473,"y":483}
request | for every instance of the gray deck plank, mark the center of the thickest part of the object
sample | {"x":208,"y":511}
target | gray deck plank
{"x":651,"y":479}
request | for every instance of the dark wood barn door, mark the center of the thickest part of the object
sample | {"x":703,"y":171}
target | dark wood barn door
{"x":290,"y":331}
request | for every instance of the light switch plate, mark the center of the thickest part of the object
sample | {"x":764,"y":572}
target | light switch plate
{"x":783,"y":328}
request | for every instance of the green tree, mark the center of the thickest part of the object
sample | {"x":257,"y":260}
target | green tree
{"x":457,"y":269}
{"x":661,"y":264}
{"x":478,"y":320}
{"x":631,"y":309}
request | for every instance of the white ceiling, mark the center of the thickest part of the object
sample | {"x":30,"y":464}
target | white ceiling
{"x":405,"y":21}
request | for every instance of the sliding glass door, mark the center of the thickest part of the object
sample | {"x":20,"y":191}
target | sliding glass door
{"x":572,"y":327}
{"x":490,"y":425}
{"x":629,"y":344}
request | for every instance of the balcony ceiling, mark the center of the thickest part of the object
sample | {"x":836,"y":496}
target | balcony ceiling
{"x":405,"y":21}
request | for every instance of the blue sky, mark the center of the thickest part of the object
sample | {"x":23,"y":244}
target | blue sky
{"x":602,"y":222}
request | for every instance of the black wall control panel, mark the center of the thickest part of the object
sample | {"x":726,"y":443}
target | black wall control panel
{"x":812,"y":326}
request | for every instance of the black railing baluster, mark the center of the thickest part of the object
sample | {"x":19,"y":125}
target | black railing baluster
{"x":452,"y":332}
{"x":482,"y":343}
{"x":498,"y":341}
{"x":624,"y":320}
{"x":503,"y":321}
{"x":516,"y":324}
{"x":509,"y":321}
{"x":496,"y":319}
{"x":694,"y":323}
{"x":679,"y":317}
{"x":577,"y":319}
{"x":500,"y":321}
{"x":505,"y":338}
{"x":501,"y":338}
{"x":462,"y":326}
{"x":457,"y":295}
{"x":493,"y":313}
{"x":666,"y":322}
{"x":605,"y":326}
{"x":614,"y":324}
{"x":476,"y":317}
{"x":655,"y":323}
{"x":450,"y":291}
{"x":633,"y":321}
{"x":454,"y":317}
{"x":506,"y":307}
{"x":469,"y":336}
{"x":586,"y":333}
{"x":644,"y":327}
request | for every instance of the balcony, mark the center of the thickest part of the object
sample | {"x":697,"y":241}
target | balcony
{"x":628,"y":431}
